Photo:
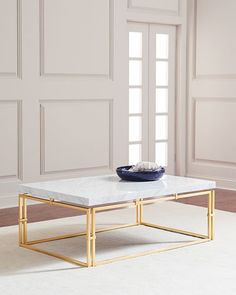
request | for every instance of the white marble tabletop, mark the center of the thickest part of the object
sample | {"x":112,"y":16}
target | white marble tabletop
{"x":99,"y":190}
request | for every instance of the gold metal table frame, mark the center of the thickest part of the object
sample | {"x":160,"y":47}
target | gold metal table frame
{"x":91,"y":230}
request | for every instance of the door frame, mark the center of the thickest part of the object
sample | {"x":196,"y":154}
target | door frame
{"x":148,"y":89}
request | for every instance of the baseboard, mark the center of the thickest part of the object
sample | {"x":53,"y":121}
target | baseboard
{"x":220,"y":182}
{"x":8,"y":201}
{"x":11,"y":201}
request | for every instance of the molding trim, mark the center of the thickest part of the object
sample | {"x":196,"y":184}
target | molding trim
{"x":11,"y":201}
{"x":8,"y":201}
{"x":18,"y":73}
{"x":20,"y":139}
{"x":42,"y":136}
{"x":220,"y":182}
{"x":19,"y":172}
{"x":207,"y":99}
{"x":218,"y":162}
{"x":146,"y":9}
{"x":76,"y":75}
{"x":195,"y":74}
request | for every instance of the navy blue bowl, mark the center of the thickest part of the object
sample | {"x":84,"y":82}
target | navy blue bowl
{"x":124,"y":173}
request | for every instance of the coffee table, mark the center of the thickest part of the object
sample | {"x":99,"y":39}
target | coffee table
{"x":101,"y":193}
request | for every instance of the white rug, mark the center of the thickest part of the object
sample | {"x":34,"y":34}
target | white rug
{"x":208,"y":268}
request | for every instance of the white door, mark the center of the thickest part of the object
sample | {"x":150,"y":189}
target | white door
{"x":152,"y":94}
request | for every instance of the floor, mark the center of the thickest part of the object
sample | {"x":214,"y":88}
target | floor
{"x":208,"y":268}
{"x":225,"y":200}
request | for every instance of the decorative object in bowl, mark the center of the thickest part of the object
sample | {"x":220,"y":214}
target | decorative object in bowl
{"x":125,"y":173}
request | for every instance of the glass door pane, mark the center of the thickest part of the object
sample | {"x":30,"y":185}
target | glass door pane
{"x":162,"y":96}
{"x":135,"y":95}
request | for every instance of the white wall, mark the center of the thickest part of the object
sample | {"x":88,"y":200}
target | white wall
{"x":64,"y":86}
{"x":61,"y":90}
{"x":212,"y":91}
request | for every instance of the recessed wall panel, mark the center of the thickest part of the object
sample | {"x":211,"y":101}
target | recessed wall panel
{"x":160,"y":5}
{"x":8,"y":139}
{"x":75,"y":135}
{"x":215,"y":123}
{"x":215,"y":42}
{"x":75,"y":37}
{"x":8,"y":37}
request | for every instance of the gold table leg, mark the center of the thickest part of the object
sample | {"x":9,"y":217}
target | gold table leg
{"x":93,"y":237}
{"x":137,"y":206}
{"x":25,"y":219}
{"x":212,"y":214}
{"x":88,"y":236}
{"x":141,"y":211}
{"x":20,"y":216}
{"x":22,"y":219}
{"x":211,"y":209}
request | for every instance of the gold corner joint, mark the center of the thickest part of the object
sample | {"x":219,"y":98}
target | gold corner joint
{"x":23,"y":220}
{"x":51,"y":201}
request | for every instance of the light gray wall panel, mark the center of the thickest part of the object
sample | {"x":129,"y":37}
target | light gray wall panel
{"x":9,"y":37}
{"x":166,"y":6}
{"x":75,"y":37}
{"x":75,"y":135}
{"x":9,"y":139}
{"x":215,"y":123}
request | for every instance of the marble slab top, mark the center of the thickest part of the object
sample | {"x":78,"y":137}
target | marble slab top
{"x":99,"y":190}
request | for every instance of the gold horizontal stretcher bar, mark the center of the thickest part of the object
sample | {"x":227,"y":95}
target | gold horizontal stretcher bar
{"x":174,"y":230}
{"x":50,"y":253}
{"x":73,"y":235}
{"x":148,"y":252}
